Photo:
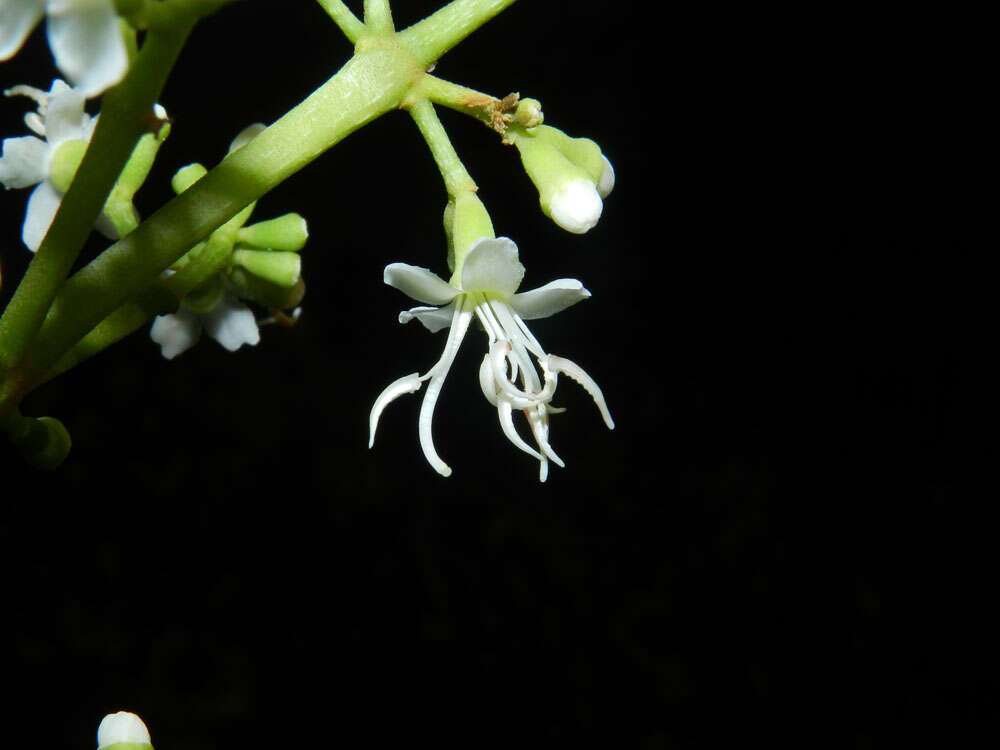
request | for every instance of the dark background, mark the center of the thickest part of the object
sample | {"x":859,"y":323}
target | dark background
{"x":769,"y":535}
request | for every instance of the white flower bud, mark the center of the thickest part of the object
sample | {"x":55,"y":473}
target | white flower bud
{"x":576,"y":206}
{"x":121,"y":727}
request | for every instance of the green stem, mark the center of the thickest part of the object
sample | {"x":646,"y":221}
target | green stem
{"x":459,"y":98}
{"x":456,"y":177}
{"x":344,"y":18}
{"x":126,"y":112}
{"x":429,"y":39}
{"x":378,"y":17}
{"x":370,"y":84}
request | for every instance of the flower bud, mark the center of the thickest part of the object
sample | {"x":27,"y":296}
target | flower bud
{"x":288,"y":232}
{"x":122,"y":727}
{"x":187,"y":176}
{"x":567,"y":193}
{"x":278,"y":267}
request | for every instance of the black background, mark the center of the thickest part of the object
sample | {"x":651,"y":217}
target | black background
{"x":769,"y":535}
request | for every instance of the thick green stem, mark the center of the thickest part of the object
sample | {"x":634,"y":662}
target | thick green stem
{"x":127,"y":110}
{"x":344,"y":18}
{"x":370,"y":84}
{"x":429,"y":39}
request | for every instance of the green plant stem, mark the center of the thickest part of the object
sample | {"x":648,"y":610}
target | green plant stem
{"x":378,"y":17}
{"x":126,"y":112}
{"x":459,"y":98}
{"x":344,"y":18}
{"x":456,"y":177}
{"x":429,"y":39}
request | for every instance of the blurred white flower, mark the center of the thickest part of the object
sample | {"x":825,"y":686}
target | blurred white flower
{"x":490,"y":277}
{"x":230,"y":322}
{"x":83,"y":34}
{"x":26,"y":161}
{"x":121,"y":727}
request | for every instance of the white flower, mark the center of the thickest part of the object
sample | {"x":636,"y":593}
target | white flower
{"x":121,"y":727}
{"x":83,"y":34}
{"x":27,"y":161}
{"x":230,"y":322}
{"x":490,"y":277}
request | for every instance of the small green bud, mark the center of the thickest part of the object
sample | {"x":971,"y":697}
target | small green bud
{"x":187,"y":176}
{"x":281,"y":268}
{"x":529,"y":113}
{"x":288,"y":232}
{"x":64,"y":163}
{"x":205,"y":296}
{"x":43,"y":442}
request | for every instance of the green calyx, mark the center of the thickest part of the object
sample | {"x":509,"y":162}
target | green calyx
{"x":470,"y":221}
{"x":128,"y":746}
{"x":547,"y":166}
{"x":582,"y":152}
{"x":65,"y":161}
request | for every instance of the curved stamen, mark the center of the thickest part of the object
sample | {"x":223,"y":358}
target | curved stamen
{"x":407,"y":384}
{"x":540,"y":429}
{"x":505,"y":412}
{"x":459,"y":325}
{"x":559,"y":364}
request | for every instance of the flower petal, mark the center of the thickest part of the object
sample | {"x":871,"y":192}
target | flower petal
{"x":420,"y":284}
{"x":492,"y":266}
{"x":175,"y":333}
{"x":64,"y":115}
{"x":25,"y":161}
{"x":232,"y":324}
{"x":17,"y":19}
{"x":42,"y":207}
{"x":576,"y":206}
{"x":547,"y":300}
{"x":433,"y":318}
{"x":607,"y":181}
{"x":87,"y":43}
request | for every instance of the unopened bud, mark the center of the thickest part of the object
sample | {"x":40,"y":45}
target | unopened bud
{"x":122,"y":728}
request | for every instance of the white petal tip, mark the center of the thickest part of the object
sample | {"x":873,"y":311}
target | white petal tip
{"x":577,"y":206}
{"x":607,"y":182}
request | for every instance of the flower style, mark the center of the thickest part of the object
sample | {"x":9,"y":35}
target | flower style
{"x":230,"y":322}
{"x":83,"y":34}
{"x":26,"y":161}
{"x":490,"y":277}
